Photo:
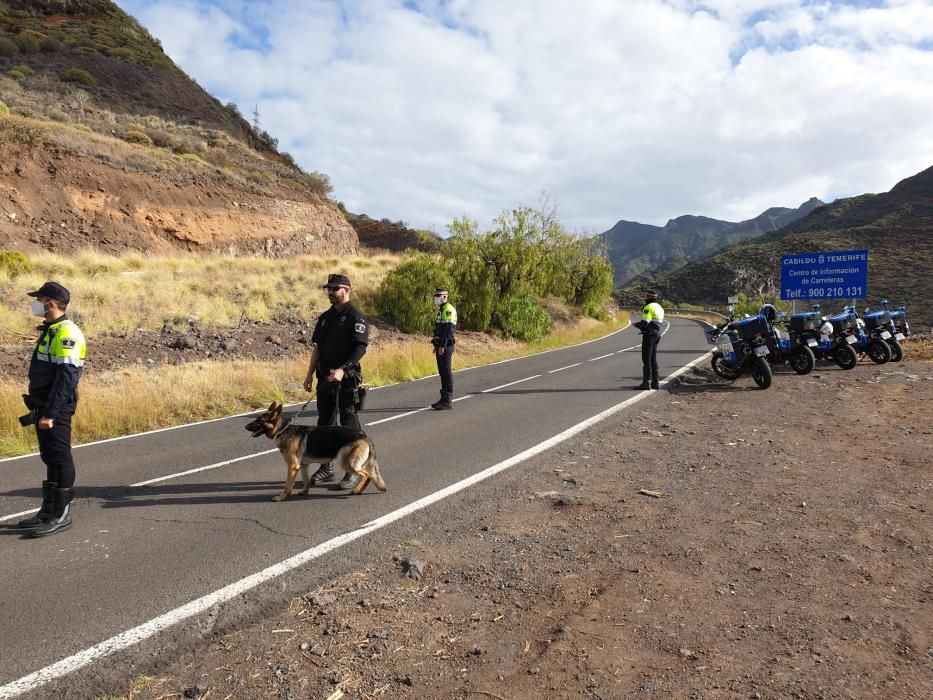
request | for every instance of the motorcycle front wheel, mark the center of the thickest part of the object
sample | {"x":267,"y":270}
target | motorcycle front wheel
{"x":718,"y":363}
{"x":761,"y":373}
{"x":879,"y":352}
{"x":845,"y":357}
{"x":802,"y":361}
{"x":897,"y":350}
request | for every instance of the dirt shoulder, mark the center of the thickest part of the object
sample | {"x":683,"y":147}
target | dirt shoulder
{"x":788,"y":555}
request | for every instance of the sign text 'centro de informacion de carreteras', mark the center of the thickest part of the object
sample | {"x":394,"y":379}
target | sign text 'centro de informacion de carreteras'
{"x":834,"y":275}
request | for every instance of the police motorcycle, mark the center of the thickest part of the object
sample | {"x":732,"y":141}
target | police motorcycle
{"x":899,"y":329}
{"x":844,"y":333}
{"x":819,"y":334}
{"x":742,"y":346}
{"x":785,"y":349}
{"x":872,"y":335}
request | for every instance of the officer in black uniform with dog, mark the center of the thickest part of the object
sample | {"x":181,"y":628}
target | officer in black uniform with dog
{"x":340,"y":338}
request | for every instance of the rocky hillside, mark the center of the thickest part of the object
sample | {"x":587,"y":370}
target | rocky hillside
{"x":392,"y":235}
{"x":635,"y":248}
{"x":106,"y":143}
{"x":896,"y":227}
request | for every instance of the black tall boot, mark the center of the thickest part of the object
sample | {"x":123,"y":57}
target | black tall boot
{"x":445,"y":403}
{"x":654,"y":380}
{"x":439,"y":401}
{"x":61,"y":515}
{"x":45,"y":512}
{"x":645,"y":376}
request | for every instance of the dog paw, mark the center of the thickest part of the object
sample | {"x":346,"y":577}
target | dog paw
{"x":278,"y":498}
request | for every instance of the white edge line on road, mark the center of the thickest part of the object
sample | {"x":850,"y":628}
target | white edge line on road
{"x":17,"y":515}
{"x":517,"y":381}
{"x":203,"y":469}
{"x":601,"y":357}
{"x":147,"y":629}
{"x":561,"y":369}
{"x":247,"y":413}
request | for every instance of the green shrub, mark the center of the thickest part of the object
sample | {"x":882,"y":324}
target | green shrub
{"x":14,"y":263}
{"x":29,"y":41}
{"x":180,"y":148}
{"x":134,"y":136}
{"x":4,"y":110}
{"x":8,"y":47}
{"x":78,"y":75}
{"x":521,"y":316}
{"x":124,"y":52}
{"x":83,"y":127}
{"x":24,"y":69}
{"x":22,"y":131}
{"x":319,"y":183}
{"x":49,"y":44}
{"x":294,"y":184}
{"x":15,"y":74}
{"x":193,"y":158}
{"x":404,"y":297}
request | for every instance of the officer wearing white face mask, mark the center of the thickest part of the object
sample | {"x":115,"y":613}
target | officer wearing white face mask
{"x":54,"y":371}
{"x":445,"y":323}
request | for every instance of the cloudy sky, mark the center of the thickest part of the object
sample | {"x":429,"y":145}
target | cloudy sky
{"x":424,"y":110}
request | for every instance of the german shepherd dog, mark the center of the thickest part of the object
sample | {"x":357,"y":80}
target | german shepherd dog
{"x":349,"y":449}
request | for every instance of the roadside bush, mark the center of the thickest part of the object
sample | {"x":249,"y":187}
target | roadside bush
{"x":22,"y":131}
{"x":14,"y":263}
{"x":4,"y":110}
{"x":24,"y":69}
{"x":405,"y":293}
{"x":8,"y":47}
{"x":15,"y":74}
{"x":134,"y":136}
{"x":78,"y":75}
{"x":29,"y":41}
{"x":521,"y":316}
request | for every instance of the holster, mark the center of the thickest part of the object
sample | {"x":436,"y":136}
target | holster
{"x":33,"y":404}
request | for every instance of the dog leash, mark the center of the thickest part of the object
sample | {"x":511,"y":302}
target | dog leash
{"x":289,"y":421}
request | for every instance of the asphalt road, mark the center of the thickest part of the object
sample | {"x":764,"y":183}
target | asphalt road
{"x":136,"y":551}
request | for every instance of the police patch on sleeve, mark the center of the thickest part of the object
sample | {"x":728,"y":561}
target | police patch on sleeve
{"x":68,"y":343}
{"x":360,"y":327}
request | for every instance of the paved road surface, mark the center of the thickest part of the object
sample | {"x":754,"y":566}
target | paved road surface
{"x":138,"y":551}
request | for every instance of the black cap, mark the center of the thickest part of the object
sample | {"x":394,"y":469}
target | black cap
{"x":651,"y":295}
{"x":337,"y":281}
{"x":52,"y":290}
{"x":440,"y":290}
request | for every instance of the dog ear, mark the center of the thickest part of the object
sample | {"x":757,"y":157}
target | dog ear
{"x":277,"y":409}
{"x":271,"y":406}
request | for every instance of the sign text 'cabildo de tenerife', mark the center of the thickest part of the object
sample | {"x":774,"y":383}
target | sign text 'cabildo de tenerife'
{"x":835,"y":275}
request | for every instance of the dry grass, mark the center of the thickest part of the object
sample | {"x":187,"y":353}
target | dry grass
{"x":919,"y":347}
{"x":137,"y":399}
{"x":112,"y":294}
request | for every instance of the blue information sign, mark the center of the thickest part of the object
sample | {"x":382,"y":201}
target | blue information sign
{"x":817,"y":276}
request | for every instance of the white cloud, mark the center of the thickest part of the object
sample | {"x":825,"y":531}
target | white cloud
{"x":644,"y":109}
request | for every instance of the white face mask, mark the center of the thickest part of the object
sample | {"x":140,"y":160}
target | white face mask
{"x":438,"y":301}
{"x":38,"y":308}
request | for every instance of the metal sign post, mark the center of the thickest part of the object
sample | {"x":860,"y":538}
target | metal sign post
{"x":819,"y":277}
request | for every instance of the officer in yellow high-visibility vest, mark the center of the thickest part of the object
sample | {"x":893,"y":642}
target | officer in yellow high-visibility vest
{"x":650,"y":326}
{"x":54,"y":371}
{"x":445,"y":324}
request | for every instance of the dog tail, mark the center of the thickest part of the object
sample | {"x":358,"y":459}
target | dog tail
{"x":374,"y":469}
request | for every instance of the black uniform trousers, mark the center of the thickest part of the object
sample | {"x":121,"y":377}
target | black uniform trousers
{"x":55,"y":450}
{"x":445,"y":370}
{"x":649,"y":353}
{"x":335,"y":400}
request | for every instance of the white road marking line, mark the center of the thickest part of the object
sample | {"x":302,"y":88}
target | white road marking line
{"x":147,"y":629}
{"x":203,"y":469}
{"x":248,"y":413}
{"x":409,"y":413}
{"x":601,"y":357}
{"x":503,"y":386}
{"x":634,"y":347}
{"x":17,"y":515}
{"x":561,"y":369}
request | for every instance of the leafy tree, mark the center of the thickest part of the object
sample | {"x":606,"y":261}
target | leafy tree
{"x":405,"y":293}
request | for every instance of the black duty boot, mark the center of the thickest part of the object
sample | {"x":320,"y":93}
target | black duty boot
{"x":445,"y":404}
{"x":45,"y":512}
{"x":61,"y":514}
{"x":654,"y":381}
{"x":438,"y":402}
{"x":324,"y":473}
{"x":645,"y":375}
